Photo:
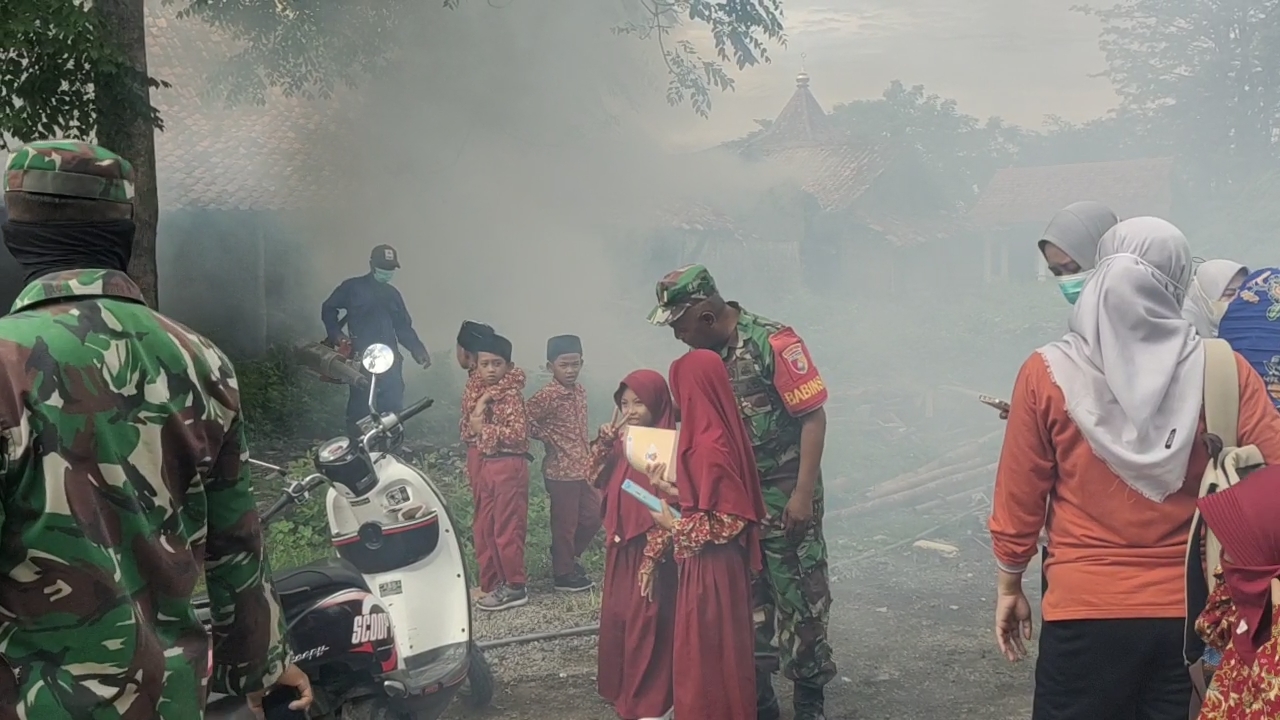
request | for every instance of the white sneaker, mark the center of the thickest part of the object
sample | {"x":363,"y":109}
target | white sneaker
{"x":669,"y":715}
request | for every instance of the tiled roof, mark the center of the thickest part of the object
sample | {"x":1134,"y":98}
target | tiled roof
{"x":699,"y":217}
{"x":801,"y":121}
{"x":1033,"y":194}
{"x":246,"y":157}
{"x":836,"y":175}
{"x":826,"y":163}
{"x":909,"y":233}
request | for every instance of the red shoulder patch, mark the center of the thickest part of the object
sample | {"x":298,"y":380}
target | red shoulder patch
{"x":794,"y":375}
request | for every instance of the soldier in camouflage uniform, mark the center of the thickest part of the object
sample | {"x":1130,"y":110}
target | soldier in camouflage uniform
{"x":780,"y":396}
{"x":124,"y":474}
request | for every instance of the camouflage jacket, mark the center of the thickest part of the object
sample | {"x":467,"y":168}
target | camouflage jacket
{"x":124,"y":479}
{"x":776,"y":383}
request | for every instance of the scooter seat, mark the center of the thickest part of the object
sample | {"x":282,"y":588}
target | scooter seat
{"x":330,"y":572}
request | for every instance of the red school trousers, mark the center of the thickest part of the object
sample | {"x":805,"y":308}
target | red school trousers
{"x":501,"y":518}
{"x":489,"y":576}
{"x":575,"y":520}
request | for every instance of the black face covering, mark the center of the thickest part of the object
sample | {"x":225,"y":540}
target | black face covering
{"x":43,"y":248}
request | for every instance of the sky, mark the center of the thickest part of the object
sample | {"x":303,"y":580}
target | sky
{"x":1019,"y":59}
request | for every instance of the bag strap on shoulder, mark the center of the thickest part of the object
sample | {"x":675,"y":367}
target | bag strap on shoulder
{"x":1221,"y":391}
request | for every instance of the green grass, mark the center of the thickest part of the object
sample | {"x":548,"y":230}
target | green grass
{"x":285,"y":407}
{"x":302,"y":534}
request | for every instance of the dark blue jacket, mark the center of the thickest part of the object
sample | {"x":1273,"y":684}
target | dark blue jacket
{"x":375,"y":313}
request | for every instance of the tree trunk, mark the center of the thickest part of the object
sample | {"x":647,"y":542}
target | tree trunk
{"x":131,"y":136}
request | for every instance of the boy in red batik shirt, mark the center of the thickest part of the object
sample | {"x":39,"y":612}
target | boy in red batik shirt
{"x":558,"y":417}
{"x":470,"y":336}
{"x":501,"y":431}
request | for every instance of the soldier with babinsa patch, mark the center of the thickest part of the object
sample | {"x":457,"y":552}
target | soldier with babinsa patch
{"x":780,"y":397}
{"x":122,"y":458}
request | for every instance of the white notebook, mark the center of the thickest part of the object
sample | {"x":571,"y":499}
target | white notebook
{"x":645,"y":445}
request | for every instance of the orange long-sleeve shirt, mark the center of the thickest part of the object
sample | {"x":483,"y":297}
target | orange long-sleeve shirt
{"x":1113,"y":553}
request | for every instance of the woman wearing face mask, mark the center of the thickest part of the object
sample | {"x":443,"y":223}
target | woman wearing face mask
{"x":1070,"y":244}
{"x":1251,"y":324}
{"x":1215,"y":284}
{"x":1101,"y":449}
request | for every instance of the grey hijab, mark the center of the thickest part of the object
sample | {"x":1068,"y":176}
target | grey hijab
{"x":1077,"y":228}
{"x":1131,"y":369}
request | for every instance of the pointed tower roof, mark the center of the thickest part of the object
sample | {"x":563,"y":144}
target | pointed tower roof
{"x":802,"y":120}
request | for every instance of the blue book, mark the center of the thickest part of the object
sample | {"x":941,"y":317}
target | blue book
{"x":649,"y":499}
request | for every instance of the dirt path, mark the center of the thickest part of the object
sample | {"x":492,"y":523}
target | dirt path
{"x":911,"y":628}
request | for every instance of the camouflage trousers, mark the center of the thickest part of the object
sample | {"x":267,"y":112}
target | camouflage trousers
{"x":793,"y":597}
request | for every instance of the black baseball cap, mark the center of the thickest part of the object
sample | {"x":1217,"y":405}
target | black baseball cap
{"x":385,"y":257}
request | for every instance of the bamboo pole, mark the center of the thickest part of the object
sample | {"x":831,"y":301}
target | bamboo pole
{"x":901,"y":484}
{"x":902,"y":498}
{"x":536,"y":637}
{"x":900,"y":543}
{"x":944,"y":459}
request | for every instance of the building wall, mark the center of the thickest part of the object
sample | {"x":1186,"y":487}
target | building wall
{"x":240,"y":279}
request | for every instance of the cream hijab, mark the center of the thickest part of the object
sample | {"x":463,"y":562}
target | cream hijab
{"x":1204,"y":306}
{"x":1131,"y":368}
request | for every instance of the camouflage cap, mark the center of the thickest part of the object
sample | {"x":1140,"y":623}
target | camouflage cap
{"x":679,"y":290}
{"x":69,"y":168}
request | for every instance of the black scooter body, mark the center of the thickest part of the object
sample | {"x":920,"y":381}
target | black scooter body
{"x":343,"y":638}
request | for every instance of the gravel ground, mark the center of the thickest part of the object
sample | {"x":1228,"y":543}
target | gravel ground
{"x":547,"y":611}
{"x":911,"y":629}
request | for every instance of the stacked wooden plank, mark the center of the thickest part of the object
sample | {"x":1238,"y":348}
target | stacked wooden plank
{"x":953,"y":476}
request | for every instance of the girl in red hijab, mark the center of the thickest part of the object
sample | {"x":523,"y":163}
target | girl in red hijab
{"x":637,"y":628}
{"x":716,"y":547}
{"x":1241,"y":618}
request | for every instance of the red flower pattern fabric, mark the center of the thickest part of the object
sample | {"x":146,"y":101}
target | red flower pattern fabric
{"x":1239,"y":690}
{"x":506,"y":423}
{"x":558,"y":418}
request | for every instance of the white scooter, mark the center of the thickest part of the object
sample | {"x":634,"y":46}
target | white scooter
{"x":384,"y":630}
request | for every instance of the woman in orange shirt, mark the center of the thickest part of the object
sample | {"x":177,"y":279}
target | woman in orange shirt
{"x":1102,"y":450}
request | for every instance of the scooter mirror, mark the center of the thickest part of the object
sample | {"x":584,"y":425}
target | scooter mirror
{"x":378,"y":358}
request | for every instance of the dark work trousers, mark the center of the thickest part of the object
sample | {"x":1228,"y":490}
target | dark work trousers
{"x":575,"y":520}
{"x":1044,"y":577}
{"x":1111,"y":670}
{"x":389,"y":395}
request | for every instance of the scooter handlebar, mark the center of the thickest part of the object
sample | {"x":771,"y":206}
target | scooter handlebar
{"x":374,"y":426}
{"x":415,"y":408}
{"x":296,"y":492}
{"x":279,"y":505}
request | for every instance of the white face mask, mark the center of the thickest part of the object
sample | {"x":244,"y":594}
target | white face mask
{"x":1218,"y":308}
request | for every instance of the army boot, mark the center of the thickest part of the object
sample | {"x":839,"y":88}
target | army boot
{"x":809,"y":702}
{"x":767,"y":707}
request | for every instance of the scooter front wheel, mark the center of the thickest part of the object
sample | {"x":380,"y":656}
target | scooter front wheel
{"x":369,"y":709}
{"x":477,"y":691}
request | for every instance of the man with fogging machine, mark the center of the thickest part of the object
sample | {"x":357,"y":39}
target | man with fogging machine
{"x":780,"y":398}
{"x":375,"y":313}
